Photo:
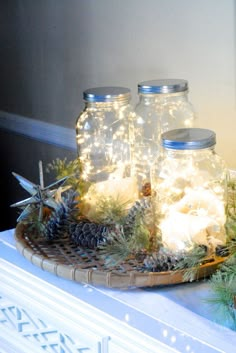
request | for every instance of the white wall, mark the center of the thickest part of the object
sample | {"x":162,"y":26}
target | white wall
{"x":52,"y":50}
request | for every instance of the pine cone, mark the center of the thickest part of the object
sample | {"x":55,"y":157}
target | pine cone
{"x":88,"y":235}
{"x":140,"y":208}
{"x":146,"y":189}
{"x":57,"y":223}
{"x":70,"y":200}
{"x":163,"y":260}
{"x":59,"y":220}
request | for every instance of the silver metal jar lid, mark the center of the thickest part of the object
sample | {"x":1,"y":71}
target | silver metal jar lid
{"x":163,"y":86}
{"x":188,"y":139}
{"x":107,"y":94}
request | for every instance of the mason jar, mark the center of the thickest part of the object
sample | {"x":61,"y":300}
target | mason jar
{"x":163,"y":105}
{"x":103,"y":141}
{"x":189,"y":181}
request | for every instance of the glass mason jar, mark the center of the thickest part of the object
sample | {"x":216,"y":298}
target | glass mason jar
{"x":102,"y":133}
{"x":163,"y":105}
{"x":189,"y":182}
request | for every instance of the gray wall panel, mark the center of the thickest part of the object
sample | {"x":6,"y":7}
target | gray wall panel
{"x":21,"y":155}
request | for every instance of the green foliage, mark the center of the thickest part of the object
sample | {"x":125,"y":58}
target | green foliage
{"x":126,"y":235}
{"x":121,"y":245}
{"x":117,"y":248}
{"x":64,"y":168}
{"x":73,"y":170}
{"x":231,"y":229}
{"x":191,"y":262}
{"x":139,"y":238}
{"x":223,"y":282}
{"x":231,"y":202}
{"x":109,"y":210}
{"x":223,"y":285}
{"x":231,"y":211}
{"x":35,"y":227}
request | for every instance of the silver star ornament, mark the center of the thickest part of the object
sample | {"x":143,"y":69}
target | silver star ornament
{"x":40,"y":196}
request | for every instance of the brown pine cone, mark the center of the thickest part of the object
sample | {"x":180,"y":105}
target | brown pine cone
{"x":88,"y":235}
{"x":146,"y":189}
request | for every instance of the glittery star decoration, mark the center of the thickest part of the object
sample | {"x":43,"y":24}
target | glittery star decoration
{"x":40,"y":196}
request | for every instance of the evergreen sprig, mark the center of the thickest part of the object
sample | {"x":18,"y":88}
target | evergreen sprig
{"x":34,"y":227}
{"x":116,"y":249}
{"x":121,"y":245}
{"x":72,"y":169}
{"x":109,"y":210}
{"x":223,"y":285}
{"x":223,"y":281}
{"x":231,"y":202}
{"x":231,"y":211}
{"x":192,"y":261}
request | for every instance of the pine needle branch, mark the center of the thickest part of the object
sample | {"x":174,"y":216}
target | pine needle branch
{"x":223,"y":284}
{"x":191,"y":262}
{"x":117,"y":249}
{"x":72,"y":169}
{"x":120,"y":246}
{"x":109,"y":210}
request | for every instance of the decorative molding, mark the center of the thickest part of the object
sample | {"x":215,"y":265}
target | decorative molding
{"x":38,"y":130}
{"x":41,"y":308}
{"x":10,"y":342}
{"x":37,"y":331}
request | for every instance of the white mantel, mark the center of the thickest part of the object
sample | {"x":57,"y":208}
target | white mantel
{"x":40,"y":312}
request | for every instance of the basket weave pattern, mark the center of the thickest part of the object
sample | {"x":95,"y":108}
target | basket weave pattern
{"x":65,"y":259}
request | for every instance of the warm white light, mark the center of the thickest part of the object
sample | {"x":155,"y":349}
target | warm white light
{"x":192,"y":209}
{"x":122,"y":189}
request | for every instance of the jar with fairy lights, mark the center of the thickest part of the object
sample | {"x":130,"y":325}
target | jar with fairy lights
{"x":189,"y":181}
{"x":103,"y":140}
{"x":163,"y":105}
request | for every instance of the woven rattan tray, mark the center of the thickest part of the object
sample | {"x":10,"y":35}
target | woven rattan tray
{"x":66,"y":260}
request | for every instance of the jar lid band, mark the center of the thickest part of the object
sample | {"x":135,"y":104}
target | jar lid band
{"x":107,"y":94}
{"x":163,"y":86}
{"x":188,"y":139}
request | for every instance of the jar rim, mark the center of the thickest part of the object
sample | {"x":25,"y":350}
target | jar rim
{"x":107,"y":94}
{"x":188,"y":139}
{"x":162,"y":86}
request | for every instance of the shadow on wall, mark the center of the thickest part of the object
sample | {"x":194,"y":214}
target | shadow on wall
{"x":21,"y":155}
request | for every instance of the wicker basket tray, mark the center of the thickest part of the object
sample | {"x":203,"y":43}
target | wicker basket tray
{"x":66,"y":260}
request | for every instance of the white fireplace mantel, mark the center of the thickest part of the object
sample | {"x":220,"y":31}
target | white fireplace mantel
{"x":40,"y":312}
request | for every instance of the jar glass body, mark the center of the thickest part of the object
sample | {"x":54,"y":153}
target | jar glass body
{"x":103,"y":140}
{"x":155,"y":114}
{"x":190,"y":195}
{"x":102,"y":133}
